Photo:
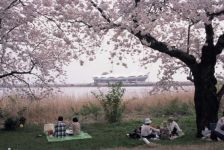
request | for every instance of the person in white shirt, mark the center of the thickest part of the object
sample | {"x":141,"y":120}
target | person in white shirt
{"x":219,"y":130}
{"x":147,"y":131}
{"x":174,"y":129}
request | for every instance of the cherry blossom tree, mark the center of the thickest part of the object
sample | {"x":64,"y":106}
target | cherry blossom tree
{"x":39,"y":36}
{"x":184,"y":35}
{"x":31,"y":50}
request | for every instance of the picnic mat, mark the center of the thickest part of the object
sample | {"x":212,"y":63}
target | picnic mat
{"x":82,"y":135}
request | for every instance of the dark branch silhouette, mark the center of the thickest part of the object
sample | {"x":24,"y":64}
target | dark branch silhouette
{"x":151,"y":42}
{"x":220,"y":45}
{"x":220,"y":93}
{"x":19,"y":72}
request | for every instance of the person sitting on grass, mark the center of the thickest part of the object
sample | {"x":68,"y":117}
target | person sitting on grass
{"x":174,"y":129}
{"x":60,"y":128}
{"x":76,"y":126}
{"x":219,"y":129}
{"x":149,"y":132}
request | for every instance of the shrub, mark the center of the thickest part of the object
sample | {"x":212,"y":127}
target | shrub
{"x":90,"y":109}
{"x":11,"y":123}
{"x":75,"y":112}
{"x":172,"y":108}
{"x":84,"y":111}
{"x":112,"y":102}
{"x":22,"y":111}
{"x":3,"y":113}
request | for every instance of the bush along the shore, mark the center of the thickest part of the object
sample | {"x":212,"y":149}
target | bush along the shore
{"x":174,"y":107}
{"x":91,"y":109}
{"x":11,"y":123}
{"x":112,"y":102}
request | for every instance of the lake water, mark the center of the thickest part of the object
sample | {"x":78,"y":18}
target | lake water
{"x":130,"y":92}
{"x":84,"y":92}
{"x":87,"y":91}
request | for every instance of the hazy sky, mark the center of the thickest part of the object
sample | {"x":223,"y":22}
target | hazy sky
{"x":85,"y":73}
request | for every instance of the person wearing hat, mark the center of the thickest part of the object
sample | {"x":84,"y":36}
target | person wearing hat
{"x":147,"y":131}
{"x":174,"y":129}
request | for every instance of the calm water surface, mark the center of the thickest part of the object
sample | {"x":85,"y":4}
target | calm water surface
{"x":85,"y":92}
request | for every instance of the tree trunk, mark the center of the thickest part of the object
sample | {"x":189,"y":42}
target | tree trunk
{"x":205,"y":98}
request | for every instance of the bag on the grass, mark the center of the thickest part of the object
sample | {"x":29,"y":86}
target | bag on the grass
{"x":164,"y":133}
{"x":222,"y":127}
{"x":136,"y":134}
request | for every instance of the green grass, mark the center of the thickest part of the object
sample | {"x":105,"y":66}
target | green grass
{"x":174,"y":106}
{"x":188,"y":125}
{"x":104,"y":136}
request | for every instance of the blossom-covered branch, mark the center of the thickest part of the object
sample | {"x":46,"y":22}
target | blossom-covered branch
{"x":101,"y":11}
{"x":31,"y":43}
{"x":33,"y":96}
{"x":216,"y":14}
{"x":14,"y":3}
{"x":151,"y":42}
{"x":103,"y":14}
{"x":19,"y":72}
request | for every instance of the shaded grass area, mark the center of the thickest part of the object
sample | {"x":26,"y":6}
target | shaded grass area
{"x":104,"y":136}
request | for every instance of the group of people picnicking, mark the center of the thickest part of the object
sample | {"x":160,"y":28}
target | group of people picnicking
{"x":167,"y":130}
{"x":171,"y":130}
{"x":62,"y":129}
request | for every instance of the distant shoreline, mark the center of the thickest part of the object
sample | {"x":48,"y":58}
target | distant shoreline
{"x":105,"y":85}
{"x":124,"y":85}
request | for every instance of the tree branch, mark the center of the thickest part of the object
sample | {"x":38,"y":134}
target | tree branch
{"x":220,"y":44}
{"x":136,"y":2}
{"x":28,"y":86}
{"x":19,"y":72}
{"x":209,"y":34}
{"x":0,"y":23}
{"x":188,"y":37}
{"x":112,"y":24}
{"x":41,"y":79}
{"x":151,"y":42}
{"x":219,"y":13}
{"x":10,"y":30}
{"x":50,"y":19}
{"x":83,"y":22}
{"x":101,"y":11}
{"x":14,"y":3}
{"x":220,"y":93}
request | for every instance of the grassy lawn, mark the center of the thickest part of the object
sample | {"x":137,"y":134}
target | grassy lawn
{"x":104,"y":136}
